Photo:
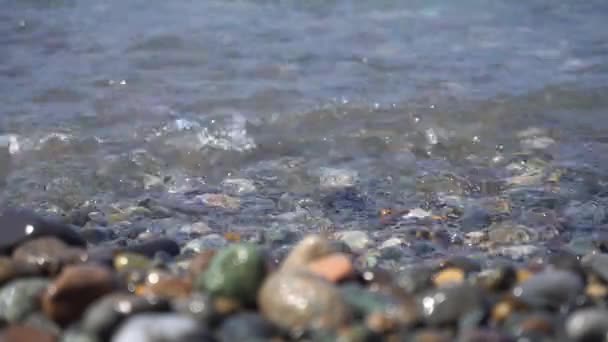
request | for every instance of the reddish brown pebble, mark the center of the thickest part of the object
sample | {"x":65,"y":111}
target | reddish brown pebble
{"x":166,"y":288}
{"x":334,"y":267}
{"x":74,"y":289}
{"x":22,"y":333}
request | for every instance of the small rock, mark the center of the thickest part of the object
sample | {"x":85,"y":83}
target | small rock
{"x":587,"y":325}
{"x":247,"y":326}
{"x":75,"y":335}
{"x":298,"y":300}
{"x":39,"y":321}
{"x":105,"y":314}
{"x":204,"y":243}
{"x":584,"y":215}
{"x":517,"y":252}
{"x":334,"y":267}
{"x":20,"y":297}
{"x":337,"y":178}
{"x":417,"y":213}
{"x":96,"y":235}
{"x":48,"y":254}
{"x":598,"y":265}
{"x":161,"y":327}
{"x":449,"y":304}
{"x":220,"y":201}
{"x":510,"y":234}
{"x":308,"y":249}
{"x":151,"y":247}
{"x":19,"y":225}
{"x":392,"y":243}
{"x":124,"y":262}
{"x":196,"y":228}
{"x":235,"y":272}
{"x":23,"y":333}
{"x":74,"y":289}
{"x":200,"y":263}
{"x":449,"y":276}
{"x":238,"y":186}
{"x":357,"y":240}
{"x":9,"y":270}
{"x":549,"y":289}
{"x":172,"y":287}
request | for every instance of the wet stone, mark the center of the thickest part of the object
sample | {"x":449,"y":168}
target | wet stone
{"x":299,"y":301}
{"x":205,"y":243}
{"x":450,"y":304}
{"x":74,"y":289}
{"x":308,"y":249}
{"x":161,"y":327}
{"x":19,"y":225}
{"x":355,"y":239}
{"x":131,"y":261}
{"x":379,"y":307}
{"x":598,"y":265}
{"x":48,"y":254}
{"x":168,"y":287}
{"x":589,"y":324}
{"x":21,"y":297}
{"x":236,"y":271}
{"x":151,"y":247}
{"x":40,"y":321}
{"x":510,"y":233}
{"x":334,"y":267}
{"x":104,"y":315}
{"x":584,"y":215}
{"x":9,"y":269}
{"x":75,"y":335}
{"x":23,"y":333}
{"x":247,"y":326}
{"x":549,"y":289}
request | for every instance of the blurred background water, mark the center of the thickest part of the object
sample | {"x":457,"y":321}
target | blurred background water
{"x":110,"y":101}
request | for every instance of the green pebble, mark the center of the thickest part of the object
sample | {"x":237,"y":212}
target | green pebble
{"x":19,"y":298}
{"x":235,"y":272}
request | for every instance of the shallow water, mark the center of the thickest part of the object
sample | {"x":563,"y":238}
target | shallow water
{"x":412,"y":104}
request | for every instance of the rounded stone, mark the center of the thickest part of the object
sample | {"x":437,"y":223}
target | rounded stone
{"x":549,"y":289}
{"x":74,"y":289}
{"x":235,"y":272}
{"x":48,"y":254}
{"x":9,"y":270}
{"x":355,"y":239}
{"x":19,"y":225}
{"x":450,"y":304}
{"x":131,"y":261}
{"x":23,"y":333}
{"x":307,"y":250}
{"x":247,"y":326}
{"x":334,"y":267}
{"x":161,"y":327}
{"x":151,"y":247}
{"x":300,"y":300}
{"x":104,"y":315}
{"x":205,"y":243}
{"x":587,"y":325}
{"x":20,"y":297}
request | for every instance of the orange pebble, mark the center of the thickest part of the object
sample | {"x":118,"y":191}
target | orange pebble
{"x":450,"y":275}
{"x":333,"y":267}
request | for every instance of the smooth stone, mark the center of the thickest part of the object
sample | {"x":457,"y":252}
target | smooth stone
{"x":365,"y":303}
{"x":590,"y":324}
{"x":74,"y":289}
{"x":308,"y":249}
{"x":509,"y":233}
{"x":392,"y":243}
{"x":583,"y":215}
{"x":466,"y":264}
{"x":499,"y":279}
{"x":196,"y":228}
{"x":238,"y":186}
{"x":19,"y":225}
{"x":75,"y":335}
{"x":131,"y":261}
{"x":220,"y":201}
{"x":161,"y":327}
{"x":204,"y":243}
{"x":549,"y":289}
{"x":517,"y":252}
{"x":151,"y":247}
{"x":597,"y":264}
{"x":200,"y":262}
{"x":337,"y":178}
{"x":449,"y":304}
{"x":105,"y":314}
{"x":39,"y":321}
{"x":95,"y":235}
{"x":334,"y":267}
{"x":236,"y":271}
{"x":449,"y":276}
{"x":166,"y":287}
{"x":199,"y":306}
{"x":23,"y":333}
{"x":49,"y":254}
{"x":9,"y":270}
{"x":355,"y":239}
{"x":299,"y":300}
{"x":247,"y":326}
{"x":20,"y":297}
{"x":415,"y":278}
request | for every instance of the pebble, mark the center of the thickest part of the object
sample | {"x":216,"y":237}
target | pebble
{"x":300,"y":300}
{"x":334,"y":267}
{"x":161,"y":327}
{"x":337,"y":178}
{"x":204,"y":243}
{"x":589,"y":324}
{"x":153,"y":246}
{"x":105,"y":314}
{"x":124,"y":262}
{"x":449,"y":276}
{"x":549,"y":289}
{"x":449,"y":304}
{"x":392,"y":243}
{"x":510,"y":234}
{"x":19,"y":225}
{"x":20,"y":297}
{"x":247,"y":326}
{"x":24,"y":333}
{"x":238,"y":186}
{"x":308,"y":249}
{"x":220,"y":201}
{"x":170,"y":287}
{"x":598,"y":265}
{"x":356,"y":240}
{"x":9,"y":269}
{"x":74,"y":289}
{"x":48,"y":254}
{"x":235,"y":272}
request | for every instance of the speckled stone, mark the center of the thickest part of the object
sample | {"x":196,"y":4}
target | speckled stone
{"x":299,"y":300}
